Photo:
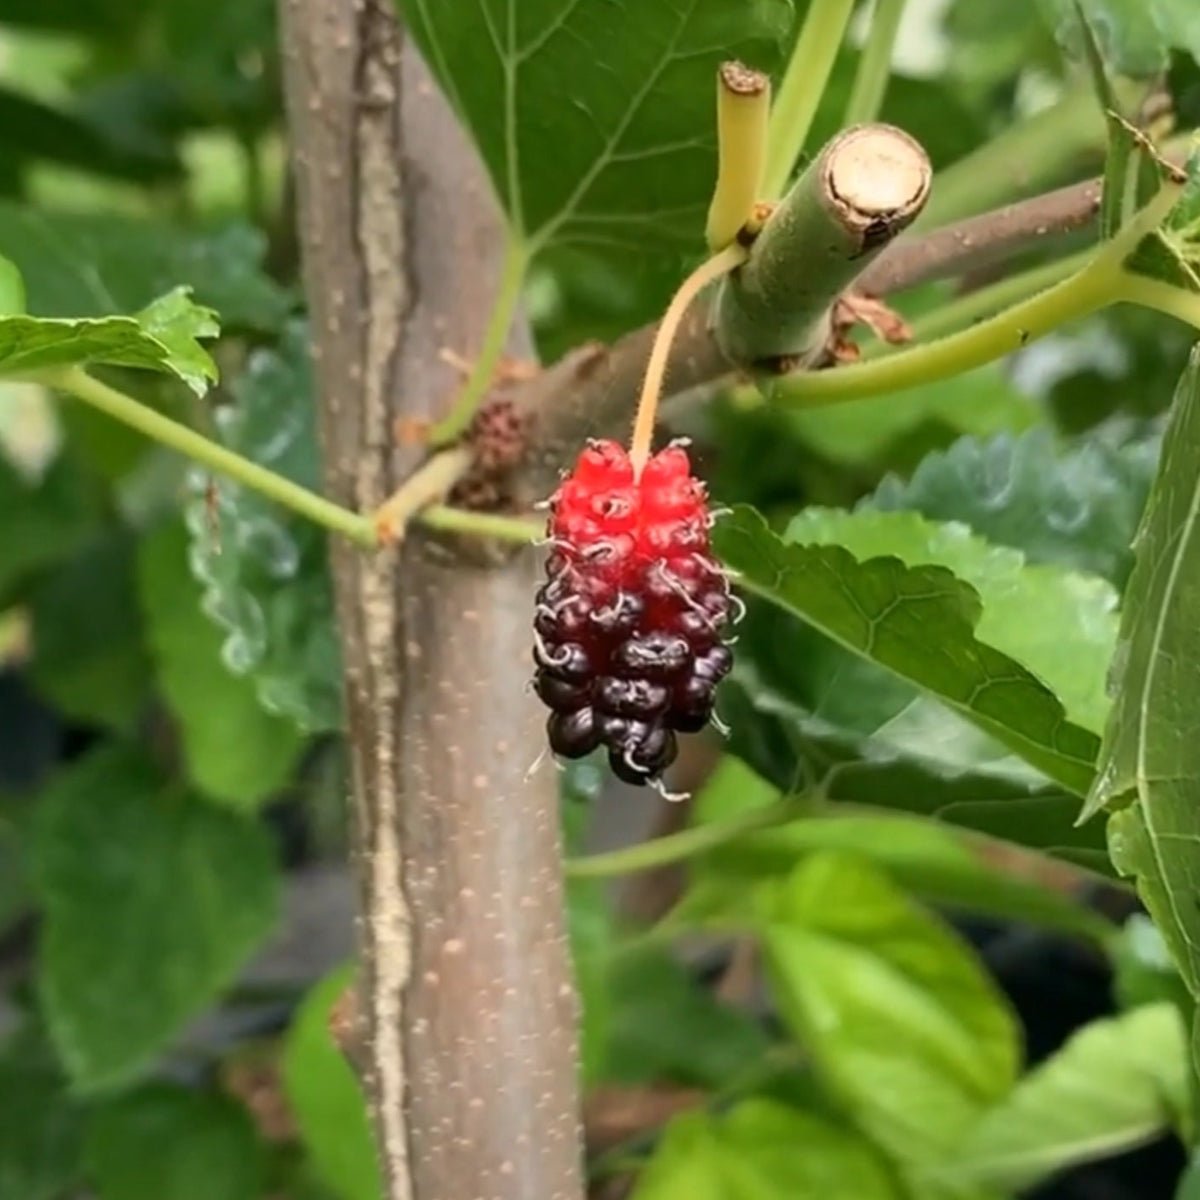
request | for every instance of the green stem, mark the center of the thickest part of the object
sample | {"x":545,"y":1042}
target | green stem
{"x":495,"y":336}
{"x":1083,"y":293}
{"x":1101,"y":282}
{"x":198,"y":448}
{"x":875,"y":65}
{"x":803,"y":84}
{"x":481,"y":524}
{"x":688,"y":843}
{"x":962,"y":311}
{"x":1163,"y":297}
{"x":1027,"y":156}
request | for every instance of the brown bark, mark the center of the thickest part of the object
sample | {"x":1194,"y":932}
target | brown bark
{"x":466,"y":992}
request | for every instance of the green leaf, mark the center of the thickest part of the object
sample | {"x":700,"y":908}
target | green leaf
{"x":980,"y":402}
{"x":31,"y":130}
{"x":168,"y":1143}
{"x":101,"y":264}
{"x":905,"y":770}
{"x":1143,"y":970}
{"x":41,"y":1126}
{"x":14,"y":885}
{"x":1116,"y":1084}
{"x":761,"y":1150}
{"x":589,"y":927}
{"x":162,"y":337}
{"x":95,"y":670}
{"x":152,"y":901}
{"x":663,"y":1025}
{"x":1127,"y":30}
{"x":630,"y":161}
{"x":1077,"y":505}
{"x":1068,"y":647}
{"x":235,"y":750}
{"x":919,"y":622}
{"x":265,"y":573}
{"x":1150,"y":759}
{"x":903,"y":1024}
{"x":45,"y":521}
{"x":326,"y":1100}
{"x":937,"y":864}
{"x":12,"y":289}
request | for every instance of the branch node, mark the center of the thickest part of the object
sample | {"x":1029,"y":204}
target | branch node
{"x":865,"y":187}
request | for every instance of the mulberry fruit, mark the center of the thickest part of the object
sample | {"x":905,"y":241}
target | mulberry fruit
{"x":629,"y":623}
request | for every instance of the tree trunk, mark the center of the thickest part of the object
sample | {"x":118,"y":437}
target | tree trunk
{"x":466,"y":991}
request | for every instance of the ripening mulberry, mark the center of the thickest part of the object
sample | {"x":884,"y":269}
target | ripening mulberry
{"x":629,"y":624}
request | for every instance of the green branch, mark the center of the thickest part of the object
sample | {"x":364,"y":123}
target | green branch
{"x":175,"y":436}
{"x":481,"y":524}
{"x":201,"y":450}
{"x":875,"y":65}
{"x":1029,"y":155}
{"x":1101,"y":282}
{"x":688,"y":843}
{"x":1160,"y":296}
{"x":803,"y":84}
{"x":1080,"y":295}
{"x":495,"y":337}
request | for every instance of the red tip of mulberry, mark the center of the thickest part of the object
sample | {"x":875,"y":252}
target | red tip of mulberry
{"x":630,"y":619}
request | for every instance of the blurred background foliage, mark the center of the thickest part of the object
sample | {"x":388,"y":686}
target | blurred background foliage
{"x":175,"y":908}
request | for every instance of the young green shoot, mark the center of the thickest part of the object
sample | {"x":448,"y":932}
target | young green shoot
{"x":743,"y":111}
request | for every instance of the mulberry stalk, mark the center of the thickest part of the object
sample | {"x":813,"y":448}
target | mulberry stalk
{"x":629,"y":623}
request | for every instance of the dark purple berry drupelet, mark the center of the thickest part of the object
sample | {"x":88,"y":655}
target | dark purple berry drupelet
{"x":629,"y":623}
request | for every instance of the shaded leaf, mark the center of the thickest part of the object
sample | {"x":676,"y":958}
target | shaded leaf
{"x":980,"y":402}
{"x":1069,"y":644}
{"x":937,"y":864}
{"x":152,"y":900}
{"x":100,"y":264}
{"x":903,"y":1024}
{"x":662,"y":1024}
{"x":162,"y":337}
{"x":33,"y":130}
{"x":265,"y":572}
{"x":95,"y":670}
{"x":1077,"y":505}
{"x":761,"y":1150}
{"x":168,"y":1143}
{"x":919,"y":622}
{"x":787,"y":745}
{"x":1150,"y":760}
{"x":630,"y":161}
{"x":326,"y":1099}
{"x":1143,"y":970}
{"x":12,"y":288}
{"x":44,"y":521}
{"x":1116,"y":1084}
{"x":235,"y":750}
{"x":1127,"y":31}
{"x":41,"y":1126}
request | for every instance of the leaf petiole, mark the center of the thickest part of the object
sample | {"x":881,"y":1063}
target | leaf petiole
{"x":513,"y":270}
{"x":176,"y":436}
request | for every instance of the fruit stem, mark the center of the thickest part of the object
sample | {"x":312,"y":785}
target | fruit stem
{"x":652,"y":384}
{"x":874,"y":67}
{"x":176,"y":436}
{"x":495,"y":336}
{"x":743,"y":109}
{"x":804,"y":82}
